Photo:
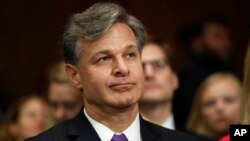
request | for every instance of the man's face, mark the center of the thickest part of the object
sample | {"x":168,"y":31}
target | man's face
{"x":65,"y":101}
{"x":160,"y":80}
{"x":217,"y":38}
{"x":110,"y":70}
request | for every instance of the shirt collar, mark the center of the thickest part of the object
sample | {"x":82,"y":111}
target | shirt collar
{"x":133,"y":131}
{"x":169,"y":122}
{"x":106,"y":134}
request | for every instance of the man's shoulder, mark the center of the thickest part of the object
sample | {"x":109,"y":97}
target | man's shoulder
{"x":169,"y":134}
{"x":58,"y":132}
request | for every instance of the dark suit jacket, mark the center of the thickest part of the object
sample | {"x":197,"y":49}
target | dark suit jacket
{"x":80,"y":129}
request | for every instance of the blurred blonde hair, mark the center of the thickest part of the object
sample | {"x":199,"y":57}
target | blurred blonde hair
{"x":195,"y":121}
{"x":246,"y":89}
{"x":57,"y":73}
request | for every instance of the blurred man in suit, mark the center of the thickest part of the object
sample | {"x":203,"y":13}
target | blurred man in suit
{"x":102,"y":48}
{"x":160,"y":83}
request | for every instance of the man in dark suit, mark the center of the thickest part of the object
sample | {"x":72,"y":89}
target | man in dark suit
{"x":161,"y":81}
{"x":102,"y":50}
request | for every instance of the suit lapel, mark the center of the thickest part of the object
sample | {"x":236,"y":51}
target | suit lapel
{"x":80,"y":129}
{"x":148,"y":132}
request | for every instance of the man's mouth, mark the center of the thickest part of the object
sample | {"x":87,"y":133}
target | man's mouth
{"x":122,"y":87}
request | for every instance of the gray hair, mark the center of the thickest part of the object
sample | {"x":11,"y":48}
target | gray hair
{"x":92,"y":24}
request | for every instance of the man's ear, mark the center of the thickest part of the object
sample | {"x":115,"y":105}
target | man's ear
{"x":73,"y":75}
{"x":175,"y":80}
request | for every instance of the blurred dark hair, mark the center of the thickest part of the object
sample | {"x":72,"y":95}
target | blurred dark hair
{"x":215,"y":19}
{"x":189,"y":32}
{"x":194,"y":30}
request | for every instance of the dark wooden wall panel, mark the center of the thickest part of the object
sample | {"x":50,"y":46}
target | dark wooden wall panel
{"x":31,"y":31}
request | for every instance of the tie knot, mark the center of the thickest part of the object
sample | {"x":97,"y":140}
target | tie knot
{"x":120,"y":137}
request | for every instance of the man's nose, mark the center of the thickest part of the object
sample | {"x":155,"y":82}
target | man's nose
{"x":60,"y":114}
{"x":148,"y":71}
{"x":121,"y":68}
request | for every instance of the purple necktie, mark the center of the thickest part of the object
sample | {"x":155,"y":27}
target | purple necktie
{"x":120,"y":137}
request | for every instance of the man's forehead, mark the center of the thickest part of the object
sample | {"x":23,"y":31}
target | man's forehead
{"x":89,"y":48}
{"x":153,"y":52}
{"x":119,"y":36}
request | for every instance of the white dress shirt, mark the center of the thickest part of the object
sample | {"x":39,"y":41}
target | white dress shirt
{"x":132,"y":133}
{"x":169,"y":122}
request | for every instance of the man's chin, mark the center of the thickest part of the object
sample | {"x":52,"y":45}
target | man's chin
{"x":123,"y":104}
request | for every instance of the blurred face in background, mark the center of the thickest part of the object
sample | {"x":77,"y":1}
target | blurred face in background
{"x":31,"y":120}
{"x":65,"y":101}
{"x":220,"y":105}
{"x":160,"y":80}
{"x":217,"y":39}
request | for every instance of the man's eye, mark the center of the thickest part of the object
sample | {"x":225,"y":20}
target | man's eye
{"x":131,"y":55}
{"x":159,"y":64}
{"x":104,"y":59}
{"x":53,"y":105}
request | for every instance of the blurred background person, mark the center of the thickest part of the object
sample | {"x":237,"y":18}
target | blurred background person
{"x":216,"y":106}
{"x":245,"y":118}
{"x":27,"y":117}
{"x":216,"y":33}
{"x":65,"y":100}
{"x":209,"y":46}
{"x":161,"y":82}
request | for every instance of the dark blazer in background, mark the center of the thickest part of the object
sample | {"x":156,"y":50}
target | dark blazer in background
{"x":80,"y":129}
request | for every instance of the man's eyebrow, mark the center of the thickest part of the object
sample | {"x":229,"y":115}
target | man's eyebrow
{"x":102,"y":52}
{"x":105,"y":51}
{"x":131,"y":47}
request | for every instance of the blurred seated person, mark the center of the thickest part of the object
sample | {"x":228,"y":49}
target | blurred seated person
{"x":209,"y":46}
{"x":160,"y":83}
{"x":245,"y":118}
{"x":216,"y":106}
{"x":217,"y":37}
{"x":65,"y":100}
{"x":27,"y":117}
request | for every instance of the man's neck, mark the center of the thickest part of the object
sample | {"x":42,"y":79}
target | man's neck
{"x":156,"y":113}
{"x":115,"y":119}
